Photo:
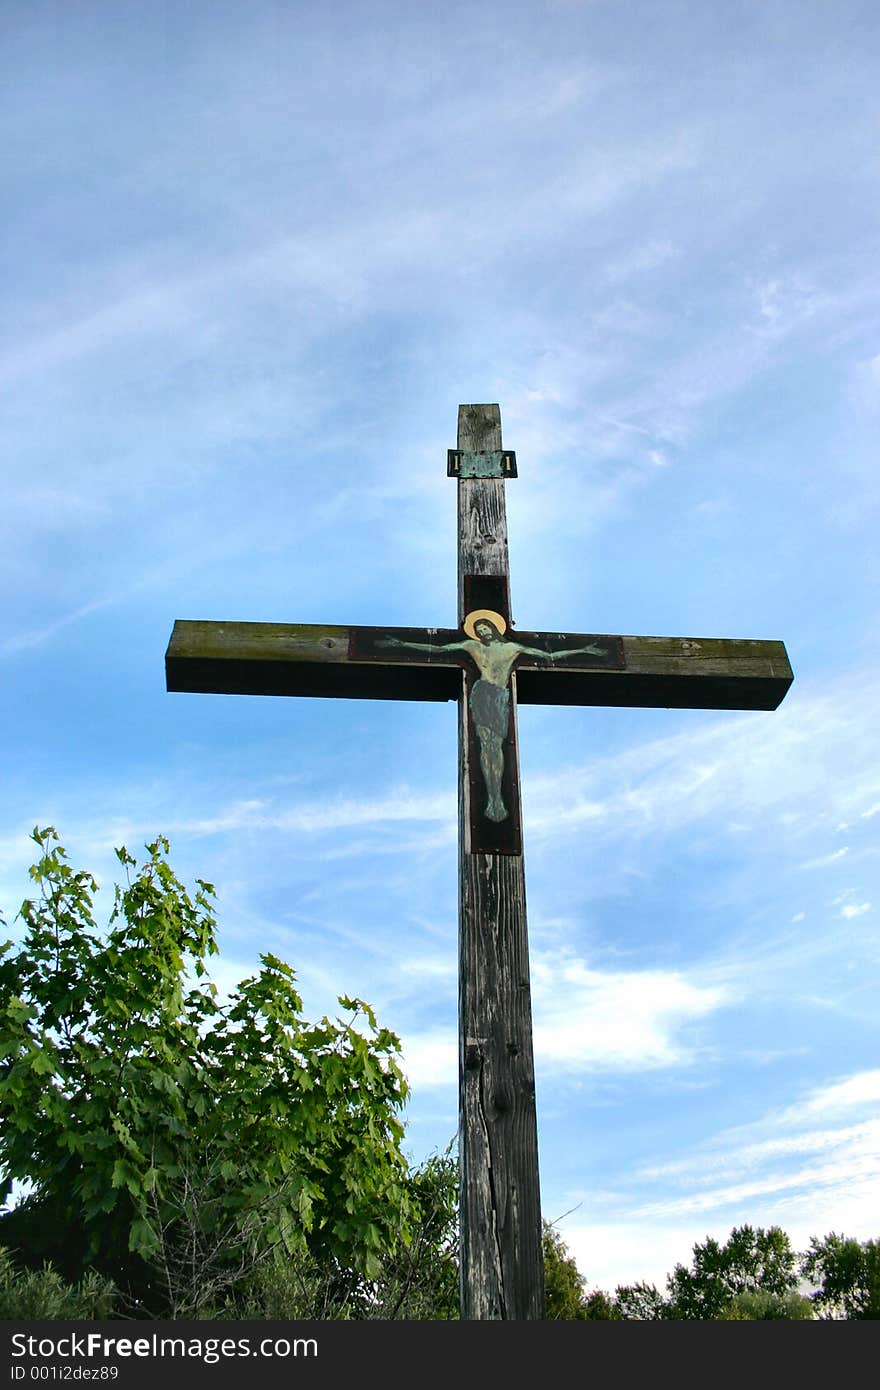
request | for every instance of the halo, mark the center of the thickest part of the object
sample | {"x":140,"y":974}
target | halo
{"x":495,"y":619}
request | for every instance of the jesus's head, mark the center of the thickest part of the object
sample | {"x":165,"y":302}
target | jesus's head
{"x":485,"y":625}
{"x":486,"y":631}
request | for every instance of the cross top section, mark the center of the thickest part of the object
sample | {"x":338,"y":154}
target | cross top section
{"x":479,"y":453}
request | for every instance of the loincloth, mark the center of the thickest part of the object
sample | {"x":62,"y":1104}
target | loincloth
{"x":490,"y":706}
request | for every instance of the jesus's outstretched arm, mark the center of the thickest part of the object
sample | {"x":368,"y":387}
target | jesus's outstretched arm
{"x":420,"y":646}
{"x":591,"y":650}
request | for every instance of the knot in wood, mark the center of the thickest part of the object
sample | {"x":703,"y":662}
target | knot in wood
{"x":502,"y":1099}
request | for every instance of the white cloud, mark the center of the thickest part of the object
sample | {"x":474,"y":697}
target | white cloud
{"x":430,"y":1059}
{"x":618,"y":1252}
{"x":586,"y":1019}
{"x":428,"y":967}
{"x":851,"y":910}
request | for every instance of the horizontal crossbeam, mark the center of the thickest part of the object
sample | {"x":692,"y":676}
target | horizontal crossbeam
{"x":310,"y":659}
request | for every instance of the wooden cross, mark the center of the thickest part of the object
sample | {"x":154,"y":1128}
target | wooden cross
{"x":487,"y":667}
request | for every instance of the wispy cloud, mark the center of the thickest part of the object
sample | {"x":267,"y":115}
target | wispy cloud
{"x":159,"y":307}
{"x":747,"y":770}
{"x":35,"y":637}
{"x":316,"y":818}
{"x":780,"y":1170}
{"x":825,"y":859}
{"x":740,"y":1162}
{"x":835,"y":1098}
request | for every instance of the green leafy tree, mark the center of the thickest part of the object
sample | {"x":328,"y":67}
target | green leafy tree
{"x":420,"y":1277}
{"x":753,"y":1260}
{"x":640,"y":1302}
{"x":169,"y":1140}
{"x":758,"y":1305}
{"x":848,"y":1274}
{"x":417,"y":1281}
{"x":600,"y":1307}
{"x":563,"y":1281}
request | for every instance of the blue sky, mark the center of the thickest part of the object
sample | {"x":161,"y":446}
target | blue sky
{"x":254,"y":257}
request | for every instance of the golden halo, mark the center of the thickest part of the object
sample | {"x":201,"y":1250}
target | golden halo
{"x":495,"y":619}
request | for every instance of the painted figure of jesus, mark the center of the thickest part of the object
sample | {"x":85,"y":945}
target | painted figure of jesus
{"x":494,"y":656}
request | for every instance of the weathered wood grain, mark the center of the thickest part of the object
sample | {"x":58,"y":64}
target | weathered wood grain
{"x":479,"y":427}
{"x":299,"y":659}
{"x":667,"y":673}
{"x":482,"y":516}
{"x":501,"y":1265}
{"x":310,"y":659}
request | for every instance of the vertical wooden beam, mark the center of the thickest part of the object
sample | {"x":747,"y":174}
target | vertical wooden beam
{"x":502,"y":1273}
